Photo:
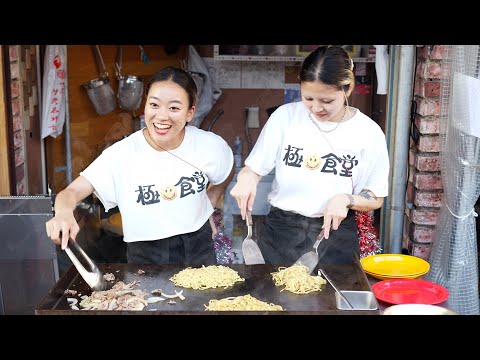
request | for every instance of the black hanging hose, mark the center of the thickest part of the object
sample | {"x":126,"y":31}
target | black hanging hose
{"x":247,"y":131}
{"x":215,"y":118}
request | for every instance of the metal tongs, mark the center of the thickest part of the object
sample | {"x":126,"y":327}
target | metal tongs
{"x":93,"y":278}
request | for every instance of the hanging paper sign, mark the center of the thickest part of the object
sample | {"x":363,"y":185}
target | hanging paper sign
{"x":53,"y":90}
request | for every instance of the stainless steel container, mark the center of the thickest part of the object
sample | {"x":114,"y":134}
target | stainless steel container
{"x":101,"y":95}
{"x":360,"y":300}
{"x":130,"y":91}
{"x":99,"y":90}
{"x":130,"y":87}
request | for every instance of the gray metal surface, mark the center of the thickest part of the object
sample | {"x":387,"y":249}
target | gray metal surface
{"x":16,"y":205}
{"x":2,"y":306}
{"x":24,"y":283}
{"x":258,"y":283}
{"x":24,"y":237}
{"x":28,"y":259}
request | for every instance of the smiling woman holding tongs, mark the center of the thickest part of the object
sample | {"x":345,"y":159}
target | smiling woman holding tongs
{"x":328,"y":158}
{"x":165,"y":179}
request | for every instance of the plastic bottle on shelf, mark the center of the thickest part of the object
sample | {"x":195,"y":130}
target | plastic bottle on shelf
{"x":237,"y":151}
{"x":237,"y":240}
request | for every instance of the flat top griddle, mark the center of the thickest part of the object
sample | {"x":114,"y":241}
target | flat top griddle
{"x":258,"y":283}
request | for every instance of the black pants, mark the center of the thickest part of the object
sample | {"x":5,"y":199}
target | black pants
{"x":285,"y":236}
{"x":194,"y":248}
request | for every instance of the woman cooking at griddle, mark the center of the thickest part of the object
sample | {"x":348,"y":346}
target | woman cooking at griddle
{"x":165,"y":179}
{"x":328,"y":157}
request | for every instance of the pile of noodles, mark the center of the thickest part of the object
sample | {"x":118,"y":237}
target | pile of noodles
{"x":297,"y":279}
{"x":241,"y":303}
{"x":206,"y":277}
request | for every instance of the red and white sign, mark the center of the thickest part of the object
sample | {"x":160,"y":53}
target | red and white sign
{"x":53,"y":90}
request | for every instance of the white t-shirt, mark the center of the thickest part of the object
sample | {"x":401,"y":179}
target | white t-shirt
{"x":311,"y":167}
{"x":157,"y":193}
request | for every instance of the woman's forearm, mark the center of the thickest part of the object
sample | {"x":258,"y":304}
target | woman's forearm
{"x":364,"y":201}
{"x":67,"y":199}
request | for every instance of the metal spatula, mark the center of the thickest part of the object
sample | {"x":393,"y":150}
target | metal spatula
{"x":251,"y":252}
{"x":94,"y":279}
{"x":310,"y":259}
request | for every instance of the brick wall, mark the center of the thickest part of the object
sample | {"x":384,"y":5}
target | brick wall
{"x":24,"y":108}
{"x":16,"y":89}
{"x":425,"y":188}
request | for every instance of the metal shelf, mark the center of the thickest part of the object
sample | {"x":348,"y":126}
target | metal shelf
{"x":293,"y":59}
{"x":277,"y":58}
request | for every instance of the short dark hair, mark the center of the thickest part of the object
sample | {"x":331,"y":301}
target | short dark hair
{"x":179,"y":77}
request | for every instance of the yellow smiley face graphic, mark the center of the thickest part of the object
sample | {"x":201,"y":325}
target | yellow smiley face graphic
{"x":312,"y":162}
{"x":168,"y":192}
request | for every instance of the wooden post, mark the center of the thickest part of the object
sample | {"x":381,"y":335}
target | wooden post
{"x":4,"y":169}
